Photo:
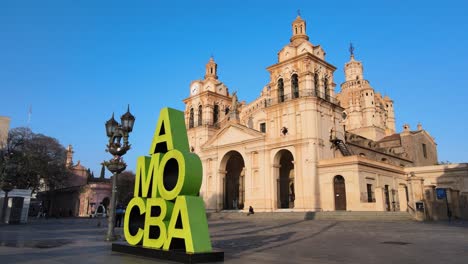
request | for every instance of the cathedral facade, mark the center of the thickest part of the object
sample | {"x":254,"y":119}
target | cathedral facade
{"x":301,"y":147}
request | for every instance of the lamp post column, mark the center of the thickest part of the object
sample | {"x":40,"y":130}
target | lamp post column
{"x":116,"y":165}
{"x":111,"y":217}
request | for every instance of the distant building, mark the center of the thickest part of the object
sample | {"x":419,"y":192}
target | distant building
{"x":301,"y":147}
{"x":4,"y":128}
{"x":82,"y":194}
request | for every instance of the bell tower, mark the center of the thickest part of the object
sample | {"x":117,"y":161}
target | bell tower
{"x":368,"y":114}
{"x":353,"y":69}
{"x":211,"y":69}
{"x":299,"y":30}
{"x":69,"y":161}
{"x":205,"y":108}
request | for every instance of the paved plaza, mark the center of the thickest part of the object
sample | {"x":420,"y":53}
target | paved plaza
{"x":251,"y":240}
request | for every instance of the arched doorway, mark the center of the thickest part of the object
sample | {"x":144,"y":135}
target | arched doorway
{"x":285,"y":182}
{"x":234,"y":181}
{"x":340,"y":192}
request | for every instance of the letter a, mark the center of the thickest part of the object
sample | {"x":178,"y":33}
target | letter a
{"x":170,"y":132}
{"x":194,"y":231}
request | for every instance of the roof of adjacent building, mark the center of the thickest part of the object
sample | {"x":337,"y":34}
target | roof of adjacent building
{"x":393,"y":137}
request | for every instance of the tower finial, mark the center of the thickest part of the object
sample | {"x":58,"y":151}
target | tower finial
{"x":211,"y":68}
{"x":299,"y":12}
{"x":351,"y":49}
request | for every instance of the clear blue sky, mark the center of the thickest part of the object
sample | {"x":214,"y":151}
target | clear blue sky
{"x":76,"y":62}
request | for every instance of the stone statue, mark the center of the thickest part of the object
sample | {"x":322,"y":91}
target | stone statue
{"x":234,"y":103}
{"x":351,"y":49}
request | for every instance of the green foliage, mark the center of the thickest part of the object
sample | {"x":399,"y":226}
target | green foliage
{"x":31,"y":160}
{"x":103,"y":171}
{"x":125,"y":183}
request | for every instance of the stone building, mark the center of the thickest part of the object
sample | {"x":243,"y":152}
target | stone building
{"x":81,"y":195}
{"x":4,"y":128}
{"x":301,"y":147}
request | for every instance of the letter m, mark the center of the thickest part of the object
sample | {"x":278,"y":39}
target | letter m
{"x":145,"y":179}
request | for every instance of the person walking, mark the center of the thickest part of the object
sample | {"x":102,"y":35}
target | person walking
{"x":119,"y":213}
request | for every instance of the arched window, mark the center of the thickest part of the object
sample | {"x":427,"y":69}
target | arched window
{"x":295,"y":29}
{"x":295,"y":86}
{"x":200,"y":115}
{"x":215,"y":114}
{"x":191,"y":121}
{"x":316,"y":84}
{"x":325,"y":88}
{"x":280,"y":91}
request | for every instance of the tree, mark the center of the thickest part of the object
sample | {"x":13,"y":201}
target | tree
{"x":125,"y":185}
{"x":30,"y":160}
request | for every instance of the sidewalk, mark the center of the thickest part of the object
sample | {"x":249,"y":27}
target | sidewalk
{"x":80,"y":240}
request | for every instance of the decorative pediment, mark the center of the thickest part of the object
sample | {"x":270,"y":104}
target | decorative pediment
{"x":305,"y":47}
{"x":286,"y":53}
{"x":319,"y":52}
{"x":233,"y":134}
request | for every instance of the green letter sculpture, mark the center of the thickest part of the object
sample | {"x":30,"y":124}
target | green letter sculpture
{"x":166,"y":206}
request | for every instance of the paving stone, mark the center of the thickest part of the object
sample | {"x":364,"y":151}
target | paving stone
{"x":248,"y":240}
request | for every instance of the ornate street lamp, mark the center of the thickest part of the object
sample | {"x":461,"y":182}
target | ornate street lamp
{"x":116,"y":165}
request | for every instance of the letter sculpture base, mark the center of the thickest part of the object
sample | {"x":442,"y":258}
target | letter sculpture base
{"x":171,"y":255}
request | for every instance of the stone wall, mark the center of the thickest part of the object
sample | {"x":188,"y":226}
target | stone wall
{"x":453,"y":178}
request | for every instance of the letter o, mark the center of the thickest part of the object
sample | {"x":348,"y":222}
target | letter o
{"x":180,"y":173}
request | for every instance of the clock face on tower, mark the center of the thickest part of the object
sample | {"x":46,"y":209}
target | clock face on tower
{"x":195,"y":88}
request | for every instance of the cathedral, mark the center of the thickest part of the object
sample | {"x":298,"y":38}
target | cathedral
{"x":300,"y":146}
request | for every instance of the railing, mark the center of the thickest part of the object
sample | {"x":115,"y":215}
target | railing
{"x":411,"y":210}
{"x":301,"y":94}
{"x":353,"y":83}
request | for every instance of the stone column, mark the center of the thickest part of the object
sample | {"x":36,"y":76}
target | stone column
{"x":221,"y":190}
{"x":402,"y":198}
{"x":455,"y":203}
{"x":417,"y":194}
{"x":242,"y":188}
{"x":208,"y":115}
{"x":275,"y":192}
{"x":430,"y":199}
{"x":379,"y":199}
{"x":309,"y":84}
{"x":416,"y":188}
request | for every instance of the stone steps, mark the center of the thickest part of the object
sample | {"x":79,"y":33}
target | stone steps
{"x":336,"y":215}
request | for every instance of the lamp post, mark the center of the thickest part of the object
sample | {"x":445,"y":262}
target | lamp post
{"x":116,"y":165}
